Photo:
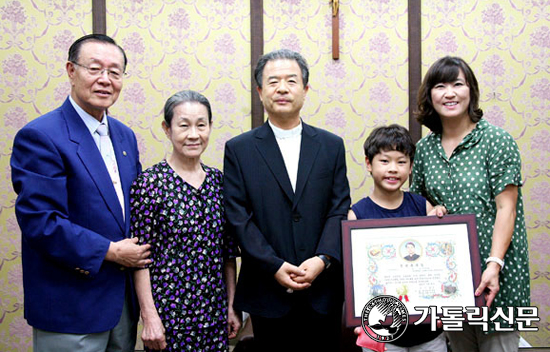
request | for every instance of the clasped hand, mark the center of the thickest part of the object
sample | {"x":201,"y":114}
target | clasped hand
{"x":128,"y":253}
{"x":300,"y":277}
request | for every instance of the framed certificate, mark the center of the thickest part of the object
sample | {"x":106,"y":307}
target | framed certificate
{"x":423,"y":261}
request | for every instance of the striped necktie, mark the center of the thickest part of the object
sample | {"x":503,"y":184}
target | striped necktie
{"x":108,"y":154}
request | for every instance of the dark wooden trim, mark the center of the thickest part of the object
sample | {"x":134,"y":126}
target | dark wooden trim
{"x":415,"y":65}
{"x":256,"y":51}
{"x":99,"y":15}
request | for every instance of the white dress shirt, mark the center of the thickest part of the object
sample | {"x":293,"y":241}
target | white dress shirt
{"x":92,"y":124}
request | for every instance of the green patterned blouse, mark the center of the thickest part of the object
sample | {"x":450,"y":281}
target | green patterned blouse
{"x":483,"y":164}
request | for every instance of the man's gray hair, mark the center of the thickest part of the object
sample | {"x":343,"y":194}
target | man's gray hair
{"x":281,"y":54}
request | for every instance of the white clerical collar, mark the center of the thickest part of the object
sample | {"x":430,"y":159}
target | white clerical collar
{"x":285,"y":134}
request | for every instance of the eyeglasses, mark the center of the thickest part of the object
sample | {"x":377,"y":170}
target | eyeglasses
{"x":95,"y":71}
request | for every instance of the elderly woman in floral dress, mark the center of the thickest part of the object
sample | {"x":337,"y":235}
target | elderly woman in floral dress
{"x":186,"y":294}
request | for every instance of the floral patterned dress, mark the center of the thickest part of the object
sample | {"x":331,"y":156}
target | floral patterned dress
{"x":185,"y":228}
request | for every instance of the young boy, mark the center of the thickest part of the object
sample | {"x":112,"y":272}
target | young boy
{"x":389,"y":155}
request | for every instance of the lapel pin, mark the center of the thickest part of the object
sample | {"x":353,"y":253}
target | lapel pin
{"x":124,"y":152}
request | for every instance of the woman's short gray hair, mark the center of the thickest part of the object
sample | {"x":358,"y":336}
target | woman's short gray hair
{"x":185,"y":96}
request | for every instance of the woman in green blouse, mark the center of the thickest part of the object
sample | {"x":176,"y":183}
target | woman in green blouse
{"x":472,"y":167}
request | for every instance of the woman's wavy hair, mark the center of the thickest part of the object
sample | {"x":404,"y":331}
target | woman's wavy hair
{"x":445,"y":70}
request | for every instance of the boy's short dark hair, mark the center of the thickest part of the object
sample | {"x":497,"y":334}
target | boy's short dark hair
{"x":388,"y":138}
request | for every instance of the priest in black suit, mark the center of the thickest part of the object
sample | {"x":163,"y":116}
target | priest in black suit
{"x":286,"y":192}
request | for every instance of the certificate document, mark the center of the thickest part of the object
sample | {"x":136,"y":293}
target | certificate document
{"x":422,"y":261}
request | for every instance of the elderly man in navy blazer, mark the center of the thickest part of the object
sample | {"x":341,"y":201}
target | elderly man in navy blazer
{"x":286,"y":192}
{"x":72,"y":170}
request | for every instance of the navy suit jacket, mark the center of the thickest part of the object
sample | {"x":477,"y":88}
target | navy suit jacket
{"x":69,"y":213}
{"x":274,"y":224}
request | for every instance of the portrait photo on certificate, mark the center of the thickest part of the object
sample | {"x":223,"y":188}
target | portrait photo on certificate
{"x":422,"y":261}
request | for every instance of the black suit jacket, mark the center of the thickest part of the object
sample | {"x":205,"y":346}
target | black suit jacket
{"x":274,"y":224}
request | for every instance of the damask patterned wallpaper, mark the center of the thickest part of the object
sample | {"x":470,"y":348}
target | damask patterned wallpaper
{"x":205,"y":45}
{"x":34,"y":40}
{"x":367,"y":87}
{"x":507,"y":45}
